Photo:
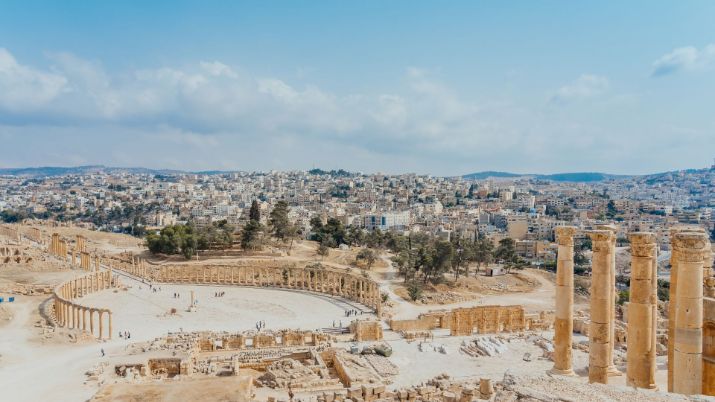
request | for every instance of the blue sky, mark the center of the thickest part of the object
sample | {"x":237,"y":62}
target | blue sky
{"x":403,"y":86}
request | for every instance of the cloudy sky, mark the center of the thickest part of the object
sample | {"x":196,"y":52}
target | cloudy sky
{"x":444,"y":88}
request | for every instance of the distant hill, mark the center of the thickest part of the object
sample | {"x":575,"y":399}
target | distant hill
{"x":580,"y":177}
{"x":489,"y":173}
{"x":561,"y":177}
{"x":46,"y":171}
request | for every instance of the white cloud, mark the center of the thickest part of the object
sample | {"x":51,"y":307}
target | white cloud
{"x":586,"y":86}
{"x":211,"y":115}
{"x":684,"y":58}
{"x":24,"y":88}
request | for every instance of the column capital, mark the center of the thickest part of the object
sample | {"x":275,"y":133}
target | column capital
{"x":691,"y":244}
{"x":643,"y":244}
{"x":600,"y":236}
{"x":565,"y":234}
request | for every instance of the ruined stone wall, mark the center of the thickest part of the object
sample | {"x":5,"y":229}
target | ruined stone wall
{"x":480,"y":319}
{"x":487,"y":320}
{"x":13,"y":254}
{"x":208,"y":341}
{"x":170,"y":367}
{"x":423,"y":322}
{"x":366,"y":330}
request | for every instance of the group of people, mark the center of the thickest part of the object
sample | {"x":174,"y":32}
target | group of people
{"x":125,"y":334}
{"x":177,"y":295}
{"x":350,"y":313}
{"x":260,"y":325}
{"x":219,"y":294}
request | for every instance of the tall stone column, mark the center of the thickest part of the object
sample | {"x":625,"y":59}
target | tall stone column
{"x":101,"y":326}
{"x":612,"y":369}
{"x":688,"y":342}
{"x":601,"y":307}
{"x":642,"y":307}
{"x":109,"y":312}
{"x":91,"y":322}
{"x":675,"y":257}
{"x":563,"y":323}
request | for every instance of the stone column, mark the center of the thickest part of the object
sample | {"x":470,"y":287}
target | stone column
{"x":109,"y":312}
{"x":601,"y":307}
{"x":612,"y":369}
{"x":675,"y":257}
{"x":91,"y":321}
{"x":84,"y":319}
{"x":563,"y":323}
{"x":641,"y":338}
{"x":101,"y":325}
{"x":688,"y":342}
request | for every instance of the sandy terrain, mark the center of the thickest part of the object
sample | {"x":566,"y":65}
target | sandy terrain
{"x":144,"y":313}
{"x":55,"y":371}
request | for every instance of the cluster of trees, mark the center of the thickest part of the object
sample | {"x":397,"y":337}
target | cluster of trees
{"x":430,"y":258}
{"x":279,"y":226}
{"x":417,"y":254}
{"x":187,"y":239}
{"x":11,"y":216}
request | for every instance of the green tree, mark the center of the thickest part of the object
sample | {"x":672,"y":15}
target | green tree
{"x":323,"y":250}
{"x":506,"y":253}
{"x":250,"y":235}
{"x":254,"y":214}
{"x":441,"y":260}
{"x":280,"y":224}
{"x":414,"y":290}
{"x":368,"y":256}
{"x":483,"y":252}
{"x":375,"y":238}
{"x":462,"y":255}
{"x":355,"y":235}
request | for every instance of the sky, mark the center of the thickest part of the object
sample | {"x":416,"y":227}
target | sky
{"x":442,"y":88}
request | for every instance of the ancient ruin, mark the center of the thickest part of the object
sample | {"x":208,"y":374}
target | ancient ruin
{"x":563,"y":322}
{"x":312,"y":362}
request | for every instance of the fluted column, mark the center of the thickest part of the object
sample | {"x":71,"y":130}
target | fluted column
{"x":642,"y":307}
{"x":563,"y":323}
{"x":687,"y":355}
{"x":601,"y":307}
{"x":675,"y":257}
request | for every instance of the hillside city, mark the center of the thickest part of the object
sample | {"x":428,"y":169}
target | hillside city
{"x":525,"y":209}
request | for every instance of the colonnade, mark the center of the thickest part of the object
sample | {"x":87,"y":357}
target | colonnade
{"x":12,"y":234}
{"x":72,"y":315}
{"x":58,"y":246}
{"x":691,"y":263}
{"x":343,"y":284}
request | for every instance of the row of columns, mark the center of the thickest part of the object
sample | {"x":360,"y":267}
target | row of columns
{"x":11,"y":233}
{"x":362,"y":290}
{"x":58,"y":246}
{"x":74,"y":316}
{"x":691,"y":263}
{"x":71,"y":315}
